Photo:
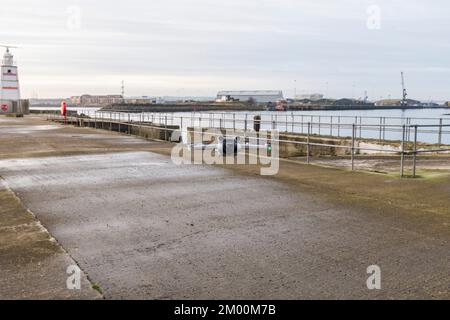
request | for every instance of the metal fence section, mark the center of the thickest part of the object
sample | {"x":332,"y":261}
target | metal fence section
{"x":431,"y":130}
{"x":307,"y":127}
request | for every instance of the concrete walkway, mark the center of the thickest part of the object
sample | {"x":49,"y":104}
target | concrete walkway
{"x":141,"y":227}
{"x":33,"y":265}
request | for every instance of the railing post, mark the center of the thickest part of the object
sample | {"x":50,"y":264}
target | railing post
{"x":408,"y":139}
{"x":381,"y":124}
{"x":319,"y":124}
{"x":302,"y":124}
{"x":129,"y":124}
{"x":165,"y":128}
{"x":331,"y":126}
{"x":402,"y":157}
{"x":307,"y":143}
{"x":415,"y":151}
{"x":353,"y":146}
{"x":292,"y":122}
{"x":245,"y":129}
{"x":339,"y":126}
{"x":360,"y":127}
{"x":440,"y":133}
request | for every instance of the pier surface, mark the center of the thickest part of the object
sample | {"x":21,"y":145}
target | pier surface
{"x":141,"y":227}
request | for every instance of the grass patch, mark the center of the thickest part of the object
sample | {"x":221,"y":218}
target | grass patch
{"x":97,"y":288}
{"x":14,"y":115}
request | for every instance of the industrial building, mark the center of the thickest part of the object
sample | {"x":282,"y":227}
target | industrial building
{"x":88,"y":100}
{"x":398,"y":102}
{"x":260,"y":96}
{"x":311,"y":97}
{"x":143,"y":100}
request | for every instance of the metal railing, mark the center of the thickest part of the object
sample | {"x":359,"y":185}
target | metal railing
{"x":409,"y":143}
{"x":369,"y":127}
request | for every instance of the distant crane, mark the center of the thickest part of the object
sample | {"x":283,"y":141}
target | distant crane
{"x":405,"y":94}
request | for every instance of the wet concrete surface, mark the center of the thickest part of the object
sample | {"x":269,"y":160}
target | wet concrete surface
{"x":33,"y":265}
{"x":142,"y":227}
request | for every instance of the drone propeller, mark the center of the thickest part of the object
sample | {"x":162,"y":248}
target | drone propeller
{"x":8,"y":47}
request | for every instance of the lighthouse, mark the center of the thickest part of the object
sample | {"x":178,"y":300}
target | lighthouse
{"x":9,"y":90}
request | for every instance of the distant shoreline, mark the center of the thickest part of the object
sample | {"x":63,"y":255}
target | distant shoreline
{"x":212,"y":107}
{"x":227,"y":108}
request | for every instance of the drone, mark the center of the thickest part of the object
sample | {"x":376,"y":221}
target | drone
{"x":229,"y":145}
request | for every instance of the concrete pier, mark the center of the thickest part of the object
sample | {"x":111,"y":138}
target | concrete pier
{"x":142,"y":227}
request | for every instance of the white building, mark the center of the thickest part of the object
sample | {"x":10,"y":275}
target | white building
{"x":260,"y":96}
{"x":143,"y":100}
{"x":10,"y":89}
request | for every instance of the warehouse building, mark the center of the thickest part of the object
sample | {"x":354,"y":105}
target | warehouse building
{"x":311,"y":97}
{"x":260,"y":96}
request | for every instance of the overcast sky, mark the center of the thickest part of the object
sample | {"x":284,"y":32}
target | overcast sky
{"x":197,"y":47}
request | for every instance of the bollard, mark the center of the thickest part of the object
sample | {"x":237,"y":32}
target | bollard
{"x":257,"y":123}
